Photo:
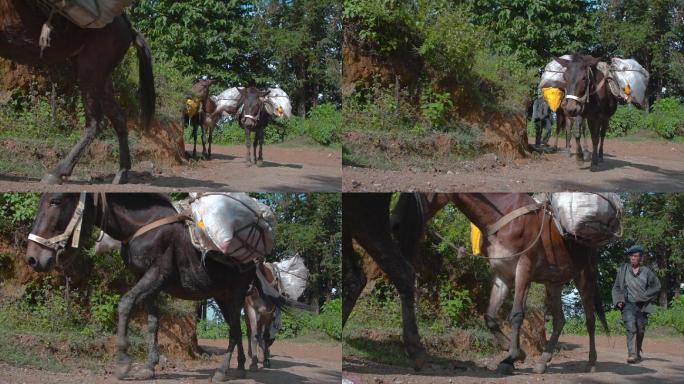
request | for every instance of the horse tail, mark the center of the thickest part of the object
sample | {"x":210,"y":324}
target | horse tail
{"x":598,"y":300}
{"x":146,"y":79}
{"x":266,"y":290}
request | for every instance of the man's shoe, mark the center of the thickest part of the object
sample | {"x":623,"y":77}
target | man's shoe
{"x":632,"y":359}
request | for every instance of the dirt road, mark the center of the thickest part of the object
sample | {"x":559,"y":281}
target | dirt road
{"x":633,"y":165}
{"x":292,"y":362}
{"x":286,"y":169}
{"x":663,"y":363}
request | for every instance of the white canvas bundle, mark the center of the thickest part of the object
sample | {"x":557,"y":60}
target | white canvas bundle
{"x":237,"y":225}
{"x":228,"y":100}
{"x":293,"y":276}
{"x":90,"y":13}
{"x":278,"y":103}
{"x":630,"y":72}
{"x":590,"y":218}
{"x":552,"y":77}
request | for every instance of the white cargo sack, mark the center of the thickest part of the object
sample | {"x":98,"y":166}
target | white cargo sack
{"x":629,"y":74}
{"x":89,"y":13}
{"x":293,"y":276}
{"x":278,"y":103}
{"x":237,"y":225}
{"x":592,"y":219}
{"x":228,"y":101}
{"x":552,"y":77}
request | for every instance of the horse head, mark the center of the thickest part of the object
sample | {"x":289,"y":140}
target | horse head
{"x":252,"y":105}
{"x":577,"y":78}
{"x":59,"y":223}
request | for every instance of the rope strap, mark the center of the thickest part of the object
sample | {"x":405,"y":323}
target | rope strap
{"x":183,"y":216}
{"x":494,"y":228}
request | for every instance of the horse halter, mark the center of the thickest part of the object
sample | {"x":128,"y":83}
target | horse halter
{"x":73,"y":230}
{"x":583,"y":99}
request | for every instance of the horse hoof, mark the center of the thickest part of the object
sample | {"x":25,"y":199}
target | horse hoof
{"x":505,"y":369}
{"x":241,"y":374}
{"x":51,"y":179}
{"x":591,"y":368}
{"x":253,"y":367}
{"x":594,"y":168}
{"x":539,"y":368}
{"x":260,"y":163}
{"x":122,"y":370}
{"x":145,"y":374}
{"x":121,"y":177}
{"x":267,"y":364}
{"x":219,"y":377}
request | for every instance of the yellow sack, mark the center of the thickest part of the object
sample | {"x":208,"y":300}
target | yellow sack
{"x":553,"y":97}
{"x":475,"y":239}
{"x":191,"y":106}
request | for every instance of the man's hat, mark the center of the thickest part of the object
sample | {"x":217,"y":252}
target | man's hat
{"x":635,"y":249}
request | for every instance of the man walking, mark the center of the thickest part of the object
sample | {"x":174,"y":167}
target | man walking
{"x":635,"y":290}
{"x":541,"y":116}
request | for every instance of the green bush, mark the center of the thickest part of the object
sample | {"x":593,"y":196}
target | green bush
{"x":667,"y":118}
{"x":627,"y":119}
{"x":103,"y":309}
{"x":455,"y":304}
{"x":324,"y":124}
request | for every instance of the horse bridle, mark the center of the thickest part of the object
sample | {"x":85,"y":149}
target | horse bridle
{"x":72,"y":230}
{"x":587,"y":93}
{"x":255,"y":119}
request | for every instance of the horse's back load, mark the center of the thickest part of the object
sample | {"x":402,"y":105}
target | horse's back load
{"x":235,"y":225}
{"x":293,"y":276}
{"x":552,"y":76}
{"x":592,"y":219}
{"x":278,"y":103}
{"x":631,"y":78}
{"x":89,"y":13}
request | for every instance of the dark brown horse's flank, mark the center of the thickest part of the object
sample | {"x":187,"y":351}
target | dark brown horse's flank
{"x":95,"y":54}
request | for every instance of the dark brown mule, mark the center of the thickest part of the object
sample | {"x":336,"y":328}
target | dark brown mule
{"x":95,"y":53}
{"x":587,"y":95}
{"x":204,"y":118}
{"x":253,"y":117}
{"x":528,"y":248}
{"x":163,"y":258}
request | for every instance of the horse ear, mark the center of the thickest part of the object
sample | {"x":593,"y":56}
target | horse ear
{"x":590,"y":60}
{"x":562,"y":62}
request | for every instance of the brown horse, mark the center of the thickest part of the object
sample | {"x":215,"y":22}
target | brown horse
{"x":203,"y":117}
{"x":260,"y":314}
{"x":95,"y":53}
{"x":587,"y":95}
{"x":254,"y":117}
{"x":522,"y":248}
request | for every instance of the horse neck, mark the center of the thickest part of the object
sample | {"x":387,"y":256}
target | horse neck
{"x":485,"y":209}
{"x":126,"y":213}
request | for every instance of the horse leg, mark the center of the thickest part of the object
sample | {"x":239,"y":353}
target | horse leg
{"x":152,"y":309}
{"x":194,"y":137}
{"x":604,"y":129}
{"x":204,"y":147}
{"x":586,"y":285}
{"x":231,"y":312}
{"x":354,"y":277}
{"x":255,"y":143}
{"x":585,"y":154}
{"x":248,"y":158}
{"x":569,"y":122}
{"x":252,"y":332}
{"x":594,"y":129}
{"x":522,"y":286}
{"x":118,"y":118}
{"x":267,"y":344}
{"x":211,"y":134}
{"x":260,"y":160}
{"x":577,"y":132}
{"x":91,"y":93}
{"x":148,"y":285}
{"x":388,"y":256}
{"x":553,"y":295}
{"x":496,"y":298}
{"x":537,"y":132}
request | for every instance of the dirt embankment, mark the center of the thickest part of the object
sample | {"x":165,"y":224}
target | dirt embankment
{"x":663,"y":363}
